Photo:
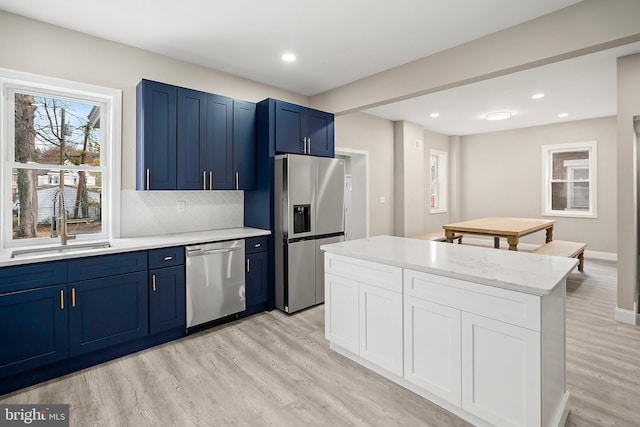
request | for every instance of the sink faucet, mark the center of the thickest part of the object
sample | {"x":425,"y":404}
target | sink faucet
{"x":59,"y":226}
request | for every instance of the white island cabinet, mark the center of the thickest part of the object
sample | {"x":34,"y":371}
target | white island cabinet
{"x":480,"y":332}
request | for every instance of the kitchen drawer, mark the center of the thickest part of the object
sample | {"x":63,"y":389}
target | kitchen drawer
{"x":256,"y":244}
{"x":373,"y":273}
{"x":31,"y":276}
{"x":505,"y":305}
{"x":166,"y":257}
{"x":107,"y":265}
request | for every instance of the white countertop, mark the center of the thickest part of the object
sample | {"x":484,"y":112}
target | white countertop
{"x":520,"y":271}
{"x":135,"y":244}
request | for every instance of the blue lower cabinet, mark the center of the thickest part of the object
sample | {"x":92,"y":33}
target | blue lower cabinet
{"x":256,"y":278}
{"x":166,"y":299}
{"x":33,"y":328}
{"x":107,"y":311}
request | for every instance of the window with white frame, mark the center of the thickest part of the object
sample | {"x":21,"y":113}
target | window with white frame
{"x":58,"y":142}
{"x":569,"y":179}
{"x":438,"y":181}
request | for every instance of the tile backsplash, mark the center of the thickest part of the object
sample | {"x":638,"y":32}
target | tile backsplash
{"x":152,"y":213}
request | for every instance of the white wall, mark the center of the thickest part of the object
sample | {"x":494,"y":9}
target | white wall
{"x":502,"y":176}
{"x":409,"y":175}
{"x":364,"y":132}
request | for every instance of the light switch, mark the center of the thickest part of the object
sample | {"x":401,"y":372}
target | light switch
{"x":383,"y":200}
{"x":182,"y":206}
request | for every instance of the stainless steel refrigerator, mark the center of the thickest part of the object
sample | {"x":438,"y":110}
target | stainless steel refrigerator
{"x":309,"y":212}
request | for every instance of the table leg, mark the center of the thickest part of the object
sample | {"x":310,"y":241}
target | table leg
{"x":448,"y":234}
{"x":513,"y":242}
{"x":549,"y":234}
{"x":496,"y":242}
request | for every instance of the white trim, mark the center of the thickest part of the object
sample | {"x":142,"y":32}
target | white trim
{"x":349,"y":152}
{"x":443,"y":180}
{"x":627,"y":316}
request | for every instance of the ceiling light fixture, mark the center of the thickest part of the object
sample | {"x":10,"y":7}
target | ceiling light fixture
{"x":288,"y":57}
{"x":537,"y":96}
{"x":563,"y":115}
{"x":434,"y":115}
{"x":498,"y":115}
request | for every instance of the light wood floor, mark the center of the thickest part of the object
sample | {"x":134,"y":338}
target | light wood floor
{"x":277,"y":370}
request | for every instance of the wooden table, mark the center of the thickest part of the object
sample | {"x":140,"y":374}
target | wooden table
{"x":510,"y":228}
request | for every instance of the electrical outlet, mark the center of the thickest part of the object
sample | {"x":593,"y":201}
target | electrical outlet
{"x":383,"y":200}
{"x":181,"y":206}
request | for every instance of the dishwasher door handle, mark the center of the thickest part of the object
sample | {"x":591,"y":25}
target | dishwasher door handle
{"x":200,"y":252}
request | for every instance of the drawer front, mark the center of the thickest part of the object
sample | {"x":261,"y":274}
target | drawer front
{"x":373,"y":273}
{"x":166,"y":257}
{"x":32,"y":276}
{"x":505,"y":305}
{"x":256,"y":244}
{"x":107,"y":265}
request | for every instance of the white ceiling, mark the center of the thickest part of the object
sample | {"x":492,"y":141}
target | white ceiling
{"x":340,"y":41}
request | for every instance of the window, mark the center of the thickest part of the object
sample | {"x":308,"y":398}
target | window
{"x":438,"y":181}
{"x":58,"y":143}
{"x":569,"y":175}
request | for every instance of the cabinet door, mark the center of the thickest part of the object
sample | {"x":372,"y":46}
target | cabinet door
{"x":191,"y":145}
{"x":500,"y":371}
{"x":166,"y":299}
{"x":320,"y":133}
{"x":290,"y":128}
{"x":244,"y":144}
{"x":341,"y":312}
{"x":156,"y":139}
{"x":432,"y":348}
{"x":34,"y":329}
{"x":107,"y":311}
{"x":219,"y":152}
{"x":380,"y":314}
{"x":256,"y":278}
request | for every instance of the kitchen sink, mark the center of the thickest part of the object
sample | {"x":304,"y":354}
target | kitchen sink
{"x":60,"y":249}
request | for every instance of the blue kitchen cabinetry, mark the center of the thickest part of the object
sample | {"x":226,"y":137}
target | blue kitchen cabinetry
{"x":256,"y":273}
{"x":302,"y":130}
{"x":166,"y":289}
{"x":156,"y":139}
{"x":214,"y":140}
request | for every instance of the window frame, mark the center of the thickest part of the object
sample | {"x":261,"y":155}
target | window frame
{"x":547,"y":179}
{"x":442,"y":181}
{"x":110,"y":102}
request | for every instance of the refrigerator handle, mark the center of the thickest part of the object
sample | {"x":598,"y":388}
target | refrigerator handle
{"x":304,"y":145}
{"x":309,"y":145}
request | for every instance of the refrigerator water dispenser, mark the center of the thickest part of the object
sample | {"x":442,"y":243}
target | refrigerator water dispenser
{"x":301,"y":219}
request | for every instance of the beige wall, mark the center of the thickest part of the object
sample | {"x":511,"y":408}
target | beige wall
{"x":44,"y":49}
{"x":364,"y":132}
{"x":627,"y":170}
{"x":502,"y":176}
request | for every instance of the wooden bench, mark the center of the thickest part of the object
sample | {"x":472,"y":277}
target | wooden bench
{"x":564,"y":248}
{"x":437,"y":236}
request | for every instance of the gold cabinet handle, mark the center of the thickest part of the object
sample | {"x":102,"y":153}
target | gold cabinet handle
{"x":248,"y":265}
{"x":73,"y":297}
{"x":210,"y":180}
{"x":153,"y":282}
{"x":204,"y":180}
{"x":61,"y":299}
{"x":148,"y":178}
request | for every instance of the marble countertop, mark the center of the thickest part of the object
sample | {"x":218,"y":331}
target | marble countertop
{"x":131,"y":244}
{"x":519,"y":271}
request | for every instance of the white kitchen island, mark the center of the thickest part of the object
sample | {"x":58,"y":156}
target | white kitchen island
{"x":478,"y":331}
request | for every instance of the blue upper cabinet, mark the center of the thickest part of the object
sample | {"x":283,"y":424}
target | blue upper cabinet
{"x":219,"y":151}
{"x":302,"y":130}
{"x":156,"y":121}
{"x":244,"y":145}
{"x":192,"y":135}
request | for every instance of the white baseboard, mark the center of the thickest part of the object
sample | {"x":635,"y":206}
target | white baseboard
{"x":597,"y":255}
{"x":627,"y":316}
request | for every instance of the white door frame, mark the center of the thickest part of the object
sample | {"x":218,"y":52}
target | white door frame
{"x":350,"y":152}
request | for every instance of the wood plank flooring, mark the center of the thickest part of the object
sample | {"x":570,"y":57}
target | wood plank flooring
{"x":277,"y":370}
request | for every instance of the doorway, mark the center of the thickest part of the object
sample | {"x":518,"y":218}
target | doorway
{"x":356,"y":165}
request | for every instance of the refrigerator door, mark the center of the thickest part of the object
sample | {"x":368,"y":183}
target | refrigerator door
{"x":329,"y":210}
{"x":320,"y":265}
{"x":300,"y":283}
{"x":300,"y":178}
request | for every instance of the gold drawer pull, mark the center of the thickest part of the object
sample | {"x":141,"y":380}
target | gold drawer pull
{"x":153,"y":282}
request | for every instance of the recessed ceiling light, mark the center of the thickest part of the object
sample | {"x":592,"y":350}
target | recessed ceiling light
{"x":562,"y":115}
{"x":288,"y":57}
{"x":434,"y":115}
{"x":498,"y":115}
{"x":537,"y":96}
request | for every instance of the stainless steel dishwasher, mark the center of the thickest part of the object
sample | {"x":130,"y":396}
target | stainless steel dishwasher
{"x":215,"y":281}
